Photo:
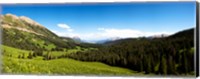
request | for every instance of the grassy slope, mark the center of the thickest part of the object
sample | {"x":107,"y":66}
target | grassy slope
{"x":59,"y":53}
{"x":14,"y":65}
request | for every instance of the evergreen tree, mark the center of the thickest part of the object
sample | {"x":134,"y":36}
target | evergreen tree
{"x":163,"y":66}
{"x":30,"y":56}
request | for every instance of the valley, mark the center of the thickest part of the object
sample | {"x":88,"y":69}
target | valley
{"x":30,"y":48}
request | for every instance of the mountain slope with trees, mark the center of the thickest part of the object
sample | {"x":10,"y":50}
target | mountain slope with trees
{"x":172,"y":55}
{"x":24,"y":33}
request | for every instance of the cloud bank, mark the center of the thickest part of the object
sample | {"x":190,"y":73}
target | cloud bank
{"x":106,"y":33}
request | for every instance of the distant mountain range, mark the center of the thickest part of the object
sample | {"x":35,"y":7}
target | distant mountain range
{"x":118,"y":38}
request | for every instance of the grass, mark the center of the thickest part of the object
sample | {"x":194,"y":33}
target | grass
{"x":65,"y":66}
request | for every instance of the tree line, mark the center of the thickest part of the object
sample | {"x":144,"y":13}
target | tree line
{"x":171,"y":55}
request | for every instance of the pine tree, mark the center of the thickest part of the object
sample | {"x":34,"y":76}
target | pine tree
{"x":163,"y":66}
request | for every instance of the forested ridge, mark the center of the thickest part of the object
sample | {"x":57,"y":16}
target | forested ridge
{"x":171,"y":55}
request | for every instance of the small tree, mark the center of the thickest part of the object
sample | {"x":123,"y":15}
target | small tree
{"x":23,"y":56}
{"x":19,"y":56}
{"x":34,"y":54}
{"x":163,"y":66}
{"x":49,"y":57}
{"x":30,"y":56}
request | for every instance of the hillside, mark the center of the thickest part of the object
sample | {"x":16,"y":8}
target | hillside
{"x":24,"y":33}
{"x":188,"y":33}
{"x":13,"y":64}
{"x":30,"y":48}
{"x":172,"y":55}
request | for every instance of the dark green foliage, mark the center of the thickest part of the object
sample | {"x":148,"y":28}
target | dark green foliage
{"x":34,"y":54}
{"x":19,"y":56}
{"x":38,"y":52}
{"x":89,"y":45}
{"x":48,"y":56}
{"x":171,"y":55}
{"x":30,"y":55}
{"x":163,"y":66}
{"x":58,"y":49}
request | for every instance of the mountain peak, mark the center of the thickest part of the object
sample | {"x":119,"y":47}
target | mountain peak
{"x":30,"y":21}
{"x":23,"y":18}
{"x":23,"y":23}
{"x":12,"y":15}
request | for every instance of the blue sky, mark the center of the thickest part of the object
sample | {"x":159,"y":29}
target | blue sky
{"x":107,"y":20}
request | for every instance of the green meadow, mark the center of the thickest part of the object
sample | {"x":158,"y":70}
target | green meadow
{"x":12,"y":64}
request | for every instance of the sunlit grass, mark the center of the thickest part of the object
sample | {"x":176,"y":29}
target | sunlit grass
{"x":64,"y":66}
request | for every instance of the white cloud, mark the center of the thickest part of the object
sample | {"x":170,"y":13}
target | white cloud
{"x":122,"y":33}
{"x":65,"y":26}
{"x":105,"y":33}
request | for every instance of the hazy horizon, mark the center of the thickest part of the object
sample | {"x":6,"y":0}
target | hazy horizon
{"x":93,"y":22}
